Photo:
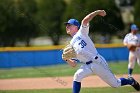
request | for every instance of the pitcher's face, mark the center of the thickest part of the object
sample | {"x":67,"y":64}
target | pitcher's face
{"x":71,"y":29}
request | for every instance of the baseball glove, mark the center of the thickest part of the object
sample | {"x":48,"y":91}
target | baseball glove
{"x":131,"y":47}
{"x":68,"y":52}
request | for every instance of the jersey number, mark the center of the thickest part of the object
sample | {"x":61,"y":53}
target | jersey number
{"x":82,"y":43}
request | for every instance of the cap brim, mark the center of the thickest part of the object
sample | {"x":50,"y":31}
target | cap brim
{"x":135,"y":29}
{"x":65,"y":23}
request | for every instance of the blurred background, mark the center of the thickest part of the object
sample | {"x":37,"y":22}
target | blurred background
{"x":40,"y":22}
{"x":32,"y":32}
{"x":32,"y":36}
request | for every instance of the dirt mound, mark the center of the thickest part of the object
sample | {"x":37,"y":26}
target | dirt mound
{"x":52,"y":82}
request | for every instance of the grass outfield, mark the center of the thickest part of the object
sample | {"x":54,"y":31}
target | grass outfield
{"x":83,"y":90}
{"x":58,"y":70}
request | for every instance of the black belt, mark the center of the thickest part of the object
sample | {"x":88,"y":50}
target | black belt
{"x":91,"y":61}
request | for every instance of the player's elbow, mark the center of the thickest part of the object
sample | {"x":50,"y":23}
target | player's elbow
{"x":85,"y":21}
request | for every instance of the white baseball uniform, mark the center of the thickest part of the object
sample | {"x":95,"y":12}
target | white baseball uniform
{"x":133,"y":56}
{"x":86,"y":52}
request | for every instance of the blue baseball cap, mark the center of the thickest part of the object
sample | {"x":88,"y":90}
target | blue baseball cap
{"x":73,"y":22}
{"x":134,"y":27}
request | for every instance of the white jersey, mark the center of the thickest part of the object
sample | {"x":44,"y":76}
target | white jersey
{"x":132,"y":39}
{"x":86,"y":52}
{"x":133,"y":55}
{"x":83,"y":44}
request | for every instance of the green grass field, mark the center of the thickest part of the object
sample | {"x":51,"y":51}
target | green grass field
{"x":64,"y":70}
{"x":83,"y":90}
{"x":58,"y":70}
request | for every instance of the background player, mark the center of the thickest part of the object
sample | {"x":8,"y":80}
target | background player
{"x":132,"y":41}
{"x":93,"y":62}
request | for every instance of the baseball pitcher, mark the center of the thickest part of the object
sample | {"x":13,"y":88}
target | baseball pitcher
{"x":132,"y":42}
{"x":82,"y":48}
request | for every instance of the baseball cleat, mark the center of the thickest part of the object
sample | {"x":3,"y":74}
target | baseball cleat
{"x":135,"y":84}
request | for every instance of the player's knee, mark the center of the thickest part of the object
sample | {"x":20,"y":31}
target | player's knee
{"x":115,"y":85}
{"x":77,"y":77}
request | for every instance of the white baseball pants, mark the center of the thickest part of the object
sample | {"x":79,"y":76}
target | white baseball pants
{"x":133,"y":57}
{"x":100,"y":68}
